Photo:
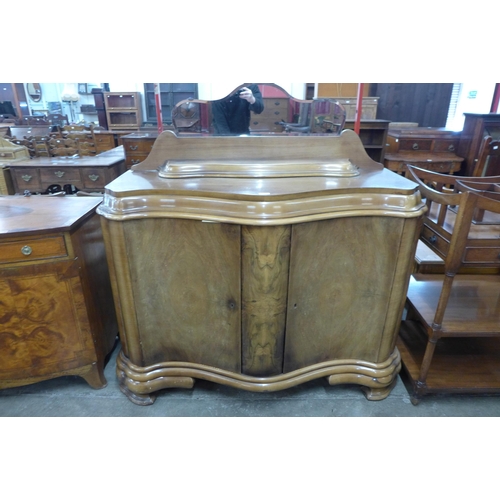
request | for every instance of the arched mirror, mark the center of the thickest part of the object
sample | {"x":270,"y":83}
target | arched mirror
{"x":34,"y":91}
{"x":280,"y":114}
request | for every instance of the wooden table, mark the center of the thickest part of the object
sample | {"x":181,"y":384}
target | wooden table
{"x":56,"y":308}
{"x":86,"y":173}
{"x":260,"y":263}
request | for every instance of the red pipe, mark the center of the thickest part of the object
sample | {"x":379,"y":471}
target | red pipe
{"x":359,"y":108}
{"x":496,"y":99}
{"x":158,"y":107}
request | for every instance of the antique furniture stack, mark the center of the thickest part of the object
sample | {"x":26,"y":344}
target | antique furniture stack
{"x":56,"y":304}
{"x":260,"y":263}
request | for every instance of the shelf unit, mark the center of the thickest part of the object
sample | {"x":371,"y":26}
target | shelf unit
{"x":123,"y":110}
{"x":170,"y":95}
{"x":373,"y":135}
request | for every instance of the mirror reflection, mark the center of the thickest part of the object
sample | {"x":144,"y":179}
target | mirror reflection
{"x":34,"y":91}
{"x":258,"y":109}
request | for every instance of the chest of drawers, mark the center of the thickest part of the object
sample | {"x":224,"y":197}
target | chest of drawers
{"x":56,"y":308}
{"x":87,"y":173}
{"x":275,"y":110}
{"x":426,"y":147}
{"x":137,"y":147}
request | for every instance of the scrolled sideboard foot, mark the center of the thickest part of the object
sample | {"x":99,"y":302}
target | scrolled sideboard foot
{"x":378,"y":393}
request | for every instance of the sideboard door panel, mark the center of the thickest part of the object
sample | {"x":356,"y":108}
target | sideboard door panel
{"x":187,"y":290}
{"x":341,"y":275}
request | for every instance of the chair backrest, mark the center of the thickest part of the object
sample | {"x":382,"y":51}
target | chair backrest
{"x":466,"y":203}
{"x":35,"y":120}
{"x":488,"y":161}
{"x":58,"y":119}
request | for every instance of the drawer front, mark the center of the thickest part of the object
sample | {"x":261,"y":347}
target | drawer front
{"x":134,"y":159}
{"x":484,"y":255}
{"x":105,"y":140}
{"x":104,"y":143}
{"x":445,"y":145}
{"x":415,"y":145}
{"x":26,"y":178}
{"x":94,"y":178}
{"x":445,"y":167}
{"x":270,"y":103}
{"x":62,"y":175}
{"x":29,"y":250}
{"x":435,"y":241}
{"x":473,"y":255}
{"x":138,"y":145}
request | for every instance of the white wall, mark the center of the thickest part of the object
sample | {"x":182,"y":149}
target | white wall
{"x":211,"y":91}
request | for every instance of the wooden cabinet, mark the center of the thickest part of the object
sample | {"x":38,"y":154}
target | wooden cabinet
{"x":88,"y":173}
{"x":137,"y":147}
{"x":170,"y":95}
{"x":373,"y":135}
{"x":425,"y":147}
{"x":104,"y":140}
{"x":123,"y":110}
{"x":275,"y":110}
{"x":476,"y":127}
{"x":260,"y":262}
{"x":58,"y":316}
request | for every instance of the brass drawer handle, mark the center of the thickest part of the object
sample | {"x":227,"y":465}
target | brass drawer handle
{"x":93,"y":177}
{"x":415,"y":145}
{"x":26,"y":250}
{"x":26,"y":178}
{"x":59,"y":173}
{"x":133,"y":148}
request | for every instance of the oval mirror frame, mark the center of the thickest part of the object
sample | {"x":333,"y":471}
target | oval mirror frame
{"x":34,"y":91}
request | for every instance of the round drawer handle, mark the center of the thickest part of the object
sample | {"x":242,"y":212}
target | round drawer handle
{"x":432,"y":239}
{"x":26,"y":250}
{"x":415,"y":145}
{"x":133,"y":148}
{"x":451,"y":147}
{"x":59,"y":173}
{"x":93,"y":177}
{"x":26,"y":178}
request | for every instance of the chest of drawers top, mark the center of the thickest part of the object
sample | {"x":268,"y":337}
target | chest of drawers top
{"x":429,"y":139}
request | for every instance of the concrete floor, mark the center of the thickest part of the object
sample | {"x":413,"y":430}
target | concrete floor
{"x":72,"y":397}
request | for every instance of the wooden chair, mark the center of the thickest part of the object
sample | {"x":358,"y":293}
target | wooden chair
{"x":40,"y":145}
{"x":35,"y":120}
{"x":489,"y":189}
{"x":488,"y":161}
{"x":58,"y":119}
{"x":450,"y":339}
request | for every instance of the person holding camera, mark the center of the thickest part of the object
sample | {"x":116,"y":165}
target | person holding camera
{"x":231,"y":115}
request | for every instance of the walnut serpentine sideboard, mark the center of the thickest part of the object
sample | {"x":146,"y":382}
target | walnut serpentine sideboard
{"x":259,"y":262}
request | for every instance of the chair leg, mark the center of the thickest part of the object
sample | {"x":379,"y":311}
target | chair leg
{"x":421,"y":384}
